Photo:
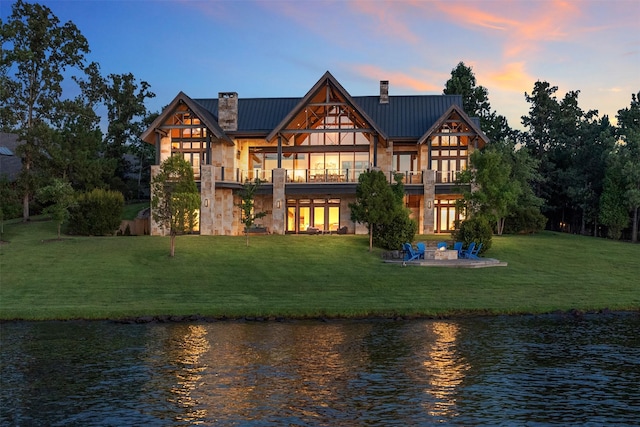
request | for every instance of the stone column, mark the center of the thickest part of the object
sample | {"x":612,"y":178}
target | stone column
{"x":278,"y":212}
{"x":428,"y":205}
{"x":207,"y":199}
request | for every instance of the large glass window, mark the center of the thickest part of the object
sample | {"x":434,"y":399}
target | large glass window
{"x":449,"y":149}
{"x":320,"y":214}
{"x":188,"y":138}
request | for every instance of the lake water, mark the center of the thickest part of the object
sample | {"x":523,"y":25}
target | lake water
{"x":525,"y":370}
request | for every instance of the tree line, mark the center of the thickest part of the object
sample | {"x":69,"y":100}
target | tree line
{"x":569,"y":170}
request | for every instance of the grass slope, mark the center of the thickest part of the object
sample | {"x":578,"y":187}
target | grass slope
{"x":300,"y":276}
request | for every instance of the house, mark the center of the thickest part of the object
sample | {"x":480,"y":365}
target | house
{"x":310,"y":152}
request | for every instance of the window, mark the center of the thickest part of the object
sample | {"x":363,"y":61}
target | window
{"x":322,"y":214}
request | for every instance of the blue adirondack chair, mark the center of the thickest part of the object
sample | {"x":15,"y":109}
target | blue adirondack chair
{"x":442,"y":245}
{"x":457,"y":246}
{"x":409,"y":253}
{"x":466,"y":253}
{"x":474,"y":253}
{"x":421,"y":249}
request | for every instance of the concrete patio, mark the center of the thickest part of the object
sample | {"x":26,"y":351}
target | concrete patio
{"x":451,"y":263}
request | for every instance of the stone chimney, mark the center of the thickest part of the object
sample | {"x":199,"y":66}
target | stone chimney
{"x":228,"y":111}
{"x":384,"y":91}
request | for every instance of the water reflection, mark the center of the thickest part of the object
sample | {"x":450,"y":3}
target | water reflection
{"x":491,"y":371}
{"x":445,"y":369}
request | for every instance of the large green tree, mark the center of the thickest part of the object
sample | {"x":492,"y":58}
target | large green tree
{"x":629,"y":132}
{"x":495,"y":193}
{"x":175,"y":199}
{"x":37,"y":52}
{"x":124,"y":98}
{"x":379,"y":206}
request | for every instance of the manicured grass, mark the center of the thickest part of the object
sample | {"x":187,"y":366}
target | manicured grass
{"x":300,"y":276}
{"x":131,"y":210}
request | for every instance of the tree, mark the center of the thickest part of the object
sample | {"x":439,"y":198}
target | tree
{"x":375,"y":201}
{"x":496,"y":193}
{"x":629,"y":132}
{"x":246,"y":205}
{"x":613,"y":210}
{"x":61,"y":196}
{"x":39,"y":51}
{"x":75,"y":149}
{"x":399,"y":228}
{"x":124,"y":98}
{"x":175,"y":199}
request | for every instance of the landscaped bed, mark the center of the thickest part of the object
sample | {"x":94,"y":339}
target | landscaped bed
{"x":300,"y":276}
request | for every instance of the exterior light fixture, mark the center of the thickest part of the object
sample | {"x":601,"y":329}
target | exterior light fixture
{"x":429,"y":204}
{"x":278,"y":204}
{"x":206,"y":203}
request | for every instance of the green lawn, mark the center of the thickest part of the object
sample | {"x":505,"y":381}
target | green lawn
{"x":300,"y":276}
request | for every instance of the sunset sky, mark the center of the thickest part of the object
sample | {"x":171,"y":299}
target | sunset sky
{"x":280,"y":48}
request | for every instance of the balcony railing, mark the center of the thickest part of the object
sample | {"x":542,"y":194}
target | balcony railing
{"x":408,"y":177}
{"x":322,"y":175}
{"x":448,"y":177}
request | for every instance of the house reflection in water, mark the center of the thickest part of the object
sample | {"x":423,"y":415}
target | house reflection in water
{"x":444,"y":369}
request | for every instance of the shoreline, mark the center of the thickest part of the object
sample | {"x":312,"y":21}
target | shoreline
{"x":196,"y":318}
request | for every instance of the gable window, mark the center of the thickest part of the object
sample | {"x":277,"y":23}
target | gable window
{"x":189,"y":138}
{"x":449,"y":149}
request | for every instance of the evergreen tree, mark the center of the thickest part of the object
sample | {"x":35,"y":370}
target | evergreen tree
{"x":629,"y":132}
{"x":375,"y":201}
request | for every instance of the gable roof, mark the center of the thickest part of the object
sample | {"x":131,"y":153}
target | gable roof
{"x":463,"y":116}
{"x":327,"y":78}
{"x":205,"y":116}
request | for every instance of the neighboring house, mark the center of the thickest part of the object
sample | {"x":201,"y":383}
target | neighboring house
{"x":310,"y":152}
{"x":10,"y":162}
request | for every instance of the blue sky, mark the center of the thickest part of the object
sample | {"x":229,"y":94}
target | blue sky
{"x":280,"y":48}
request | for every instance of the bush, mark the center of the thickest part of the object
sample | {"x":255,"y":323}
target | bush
{"x":526,"y":220}
{"x":11,"y":202}
{"x":399,"y":230}
{"x":475,"y":229}
{"x":97,"y":213}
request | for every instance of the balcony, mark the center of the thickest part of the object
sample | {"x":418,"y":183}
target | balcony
{"x":303,"y":176}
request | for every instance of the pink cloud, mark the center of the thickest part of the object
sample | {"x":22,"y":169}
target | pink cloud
{"x":512,"y":76}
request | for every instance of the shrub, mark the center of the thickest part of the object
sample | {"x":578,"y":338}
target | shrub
{"x":475,"y":229}
{"x":97,"y":213}
{"x":11,"y":203}
{"x":398,"y":230}
{"x":525,"y":220}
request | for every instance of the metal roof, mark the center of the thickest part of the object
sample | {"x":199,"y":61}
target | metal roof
{"x":255,"y":114}
{"x":403,"y":117}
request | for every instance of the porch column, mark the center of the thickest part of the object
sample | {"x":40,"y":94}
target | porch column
{"x":279,"y":209}
{"x":429,"y":202}
{"x":207,"y":199}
